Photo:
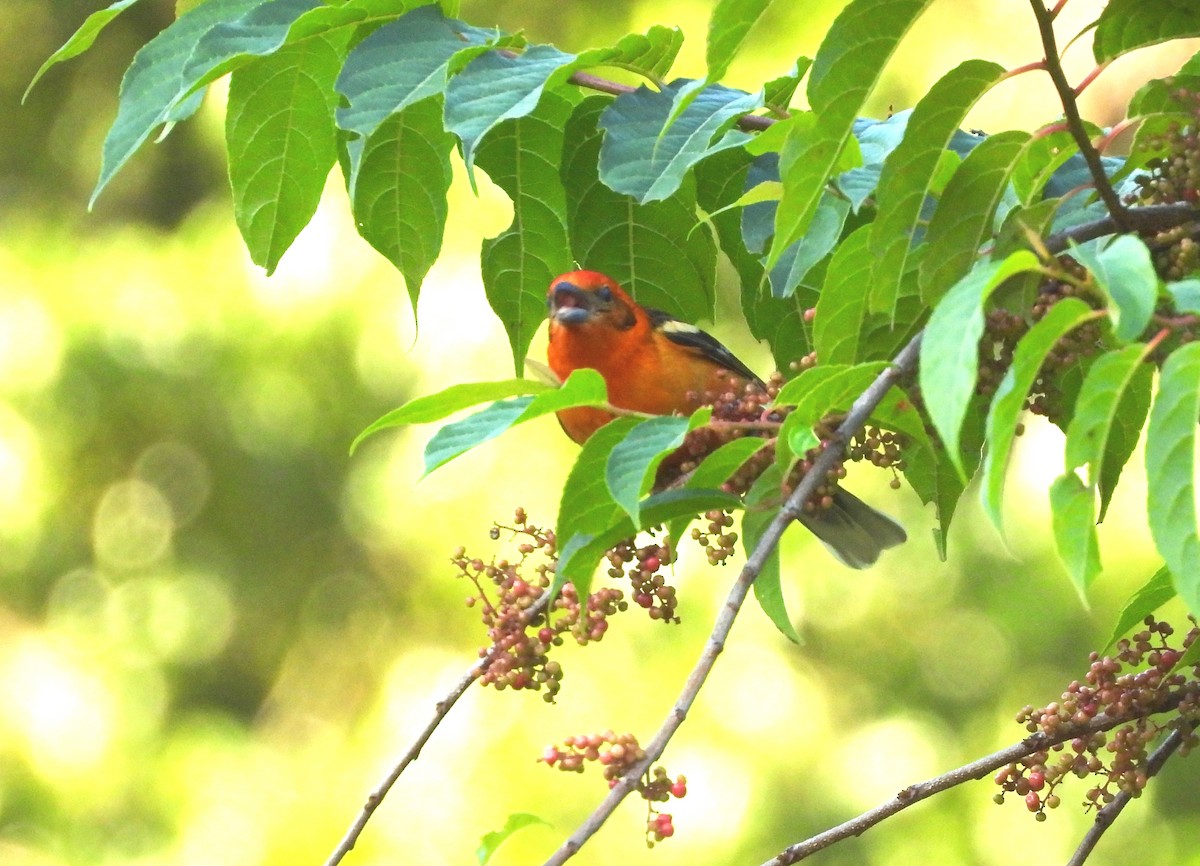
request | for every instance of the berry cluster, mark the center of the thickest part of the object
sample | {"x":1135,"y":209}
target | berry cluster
{"x":1175,"y":177}
{"x":618,"y":754}
{"x":1117,"y":762}
{"x":717,"y":540}
{"x":643,"y":567}
{"x":882,"y":448}
{"x":520,"y":643}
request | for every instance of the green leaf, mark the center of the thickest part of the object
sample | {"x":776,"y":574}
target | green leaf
{"x":401,"y":64}
{"x":1171,"y":470}
{"x":590,"y":521}
{"x":802,"y":256}
{"x":817,"y":392}
{"x":586,"y":508}
{"x":1185,"y":295}
{"x":153,"y":86}
{"x":1108,"y":417}
{"x":435,"y":407}
{"x":282,"y":143}
{"x":848,"y":63}
{"x":493,"y":840}
{"x":521,"y":157}
{"x":842,"y":304}
{"x":474,"y":104}
{"x":398,"y":190}
{"x":966,"y":211}
{"x":1158,"y":591}
{"x":911,"y":172}
{"x":949,"y":362}
{"x":651,"y":55}
{"x":81,"y":40}
{"x":634,"y":460}
{"x":643,"y":157}
{"x":654,"y":250}
{"x":728,"y":28}
{"x":1124,"y":271}
{"x":1010,"y":396}
{"x":768,"y":586}
{"x":1073,"y":507}
{"x":583,"y":387}
{"x":715,"y":469}
{"x":778,"y":92}
{"x":1044,"y":155}
{"x":932,"y":473}
{"x":1128,"y":24}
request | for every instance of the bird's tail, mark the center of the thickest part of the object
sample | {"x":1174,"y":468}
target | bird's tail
{"x":853,"y":531}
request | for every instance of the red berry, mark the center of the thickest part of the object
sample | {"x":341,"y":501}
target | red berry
{"x":1033,"y":802}
{"x":679,"y":789}
{"x":1037,"y":780}
{"x":651,"y":563}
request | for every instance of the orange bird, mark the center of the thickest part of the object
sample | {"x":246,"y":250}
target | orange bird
{"x":654,"y":363}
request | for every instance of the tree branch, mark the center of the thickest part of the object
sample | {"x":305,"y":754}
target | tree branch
{"x":977,"y":769}
{"x":1066,"y":95}
{"x":1106,"y":816}
{"x":904,"y":363}
{"x":441,"y":710}
{"x":1143,"y":220}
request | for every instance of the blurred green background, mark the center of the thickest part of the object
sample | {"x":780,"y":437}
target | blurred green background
{"x":218,"y":630}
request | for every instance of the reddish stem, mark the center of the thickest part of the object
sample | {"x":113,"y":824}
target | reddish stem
{"x":1090,"y":77}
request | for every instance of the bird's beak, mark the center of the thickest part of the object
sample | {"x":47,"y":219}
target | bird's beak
{"x":569,"y":305}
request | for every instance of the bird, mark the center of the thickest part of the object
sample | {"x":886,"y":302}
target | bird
{"x":653,"y":362}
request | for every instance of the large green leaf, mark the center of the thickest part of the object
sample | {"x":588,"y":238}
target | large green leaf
{"x":768,"y":586}
{"x":435,"y":407}
{"x":1073,"y":507}
{"x":1108,"y":417}
{"x":910,"y":171}
{"x":402,"y":63}
{"x":1171,"y":470}
{"x":398,"y":189}
{"x":1009,"y":399}
{"x":800,"y":258}
{"x":1128,"y":24}
{"x":634,"y":460}
{"x":81,"y":40}
{"x":521,"y":157}
{"x":583,"y":387}
{"x":654,"y":250}
{"x":1124,"y":271}
{"x":844,"y":71}
{"x":728,"y":28}
{"x":643,"y":157}
{"x":281,"y":139}
{"x":153,"y":89}
{"x":949,"y":363}
{"x":966,"y":212}
{"x":842,"y":305}
{"x":475,"y":104}
{"x":816,"y":393}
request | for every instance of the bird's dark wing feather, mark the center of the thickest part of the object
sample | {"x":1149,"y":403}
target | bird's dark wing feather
{"x":705,"y":344}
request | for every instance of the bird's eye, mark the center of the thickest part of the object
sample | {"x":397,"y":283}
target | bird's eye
{"x":604,"y":293}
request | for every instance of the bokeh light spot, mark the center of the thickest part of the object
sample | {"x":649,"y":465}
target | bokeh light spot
{"x":180,"y":474}
{"x":132,"y":526}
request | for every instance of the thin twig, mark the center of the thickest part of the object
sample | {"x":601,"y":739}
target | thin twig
{"x":1143,"y":220}
{"x":1106,"y":816}
{"x":977,"y":769}
{"x":441,"y":709}
{"x":856,"y":418}
{"x":1066,"y":95}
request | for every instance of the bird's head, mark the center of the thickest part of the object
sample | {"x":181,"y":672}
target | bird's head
{"x":589,"y":297}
